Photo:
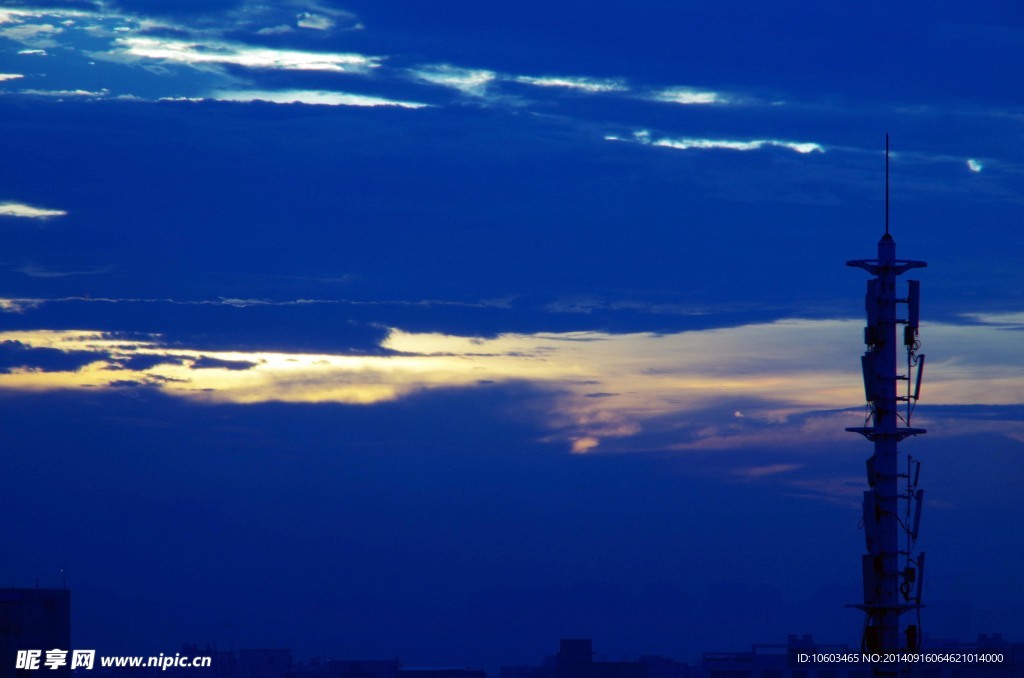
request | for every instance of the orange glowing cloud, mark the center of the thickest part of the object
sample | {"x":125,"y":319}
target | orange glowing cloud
{"x":603,"y":386}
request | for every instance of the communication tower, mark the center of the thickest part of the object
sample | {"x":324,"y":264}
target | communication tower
{"x":893,"y":568}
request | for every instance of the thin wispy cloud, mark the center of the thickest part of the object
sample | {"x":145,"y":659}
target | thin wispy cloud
{"x":645,"y":138}
{"x":37,"y":271}
{"x":582,"y":84}
{"x":758,"y":472}
{"x":35,"y":35}
{"x":688,"y":96}
{"x":59,"y":14}
{"x":209,"y":53}
{"x":62,"y":93}
{"x":10,"y":76}
{"x":731,"y":145}
{"x":280,"y":29}
{"x":317,"y":22}
{"x":311,"y":97}
{"x":21,"y":304}
{"x":1006,"y":320}
{"x":469,"y":81}
{"x":17,"y":209}
{"x":311,"y":16}
{"x":484,"y":83}
{"x":8,"y":16}
{"x":100,"y":18}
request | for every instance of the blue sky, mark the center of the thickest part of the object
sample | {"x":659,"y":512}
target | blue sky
{"x":454,"y":316}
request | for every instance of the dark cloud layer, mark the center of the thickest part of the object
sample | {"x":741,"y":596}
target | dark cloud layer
{"x":206,"y":362}
{"x":145,"y":362}
{"x":18,"y":355}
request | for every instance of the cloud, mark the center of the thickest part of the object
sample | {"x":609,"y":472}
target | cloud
{"x":974,"y":165}
{"x":758,"y":472}
{"x":793,"y":380}
{"x":684,"y":144}
{"x":312,"y":97}
{"x":688,"y":96}
{"x":33,"y":52}
{"x":206,"y":53}
{"x":205,"y":362}
{"x":17,"y":209}
{"x":589,"y":85}
{"x":584,"y":444}
{"x":141,"y":363}
{"x":35,"y":35}
{"x":10,"y":76}
{"x":313,"y":16}
{"x":62,"y":93}
{"x":788,"y":428}
{"x":19,"y":305}
{"x":36,"y":271}
{"x":653,"y":375}
{"x":1005,"y":320}
{"x":473,"y":82}
{"x":276,"y":30}
{"x":687,"y":143}
{"x":24,"y":303}
{"x":317,"y":22}
{"x":17,"y":356}
{"x":477,"y":82}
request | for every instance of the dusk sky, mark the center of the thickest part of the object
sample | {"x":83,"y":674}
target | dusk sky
{"x":443,"y":330}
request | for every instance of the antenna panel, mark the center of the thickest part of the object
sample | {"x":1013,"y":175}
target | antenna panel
{"x":871,"y":302}
{"x":914,"y":304}
{"x":918,"y":498}
{"x":920,"y":372}
{"x":867,"y":363}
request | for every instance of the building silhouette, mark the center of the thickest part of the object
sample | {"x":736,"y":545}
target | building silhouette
{"x":575,"y":659}
{"x":34,"y":619}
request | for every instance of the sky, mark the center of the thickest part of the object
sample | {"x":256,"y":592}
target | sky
{"x":445,"y":330}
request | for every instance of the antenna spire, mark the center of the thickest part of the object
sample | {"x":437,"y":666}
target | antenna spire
{"x":887,"y":183}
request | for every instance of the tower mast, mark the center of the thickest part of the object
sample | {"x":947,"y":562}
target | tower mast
{"x":891,"y":587}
